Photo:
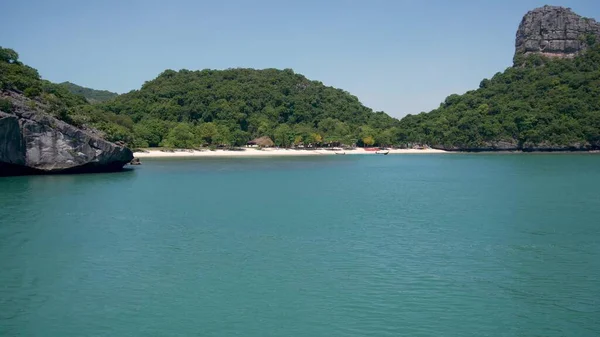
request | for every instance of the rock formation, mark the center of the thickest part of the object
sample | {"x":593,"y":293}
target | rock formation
{"x":514,"y":146}
{"x":32,"y":141}
{"x":555,"y":32}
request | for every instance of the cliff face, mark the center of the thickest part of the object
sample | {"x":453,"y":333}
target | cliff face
{"x":12,"y":150}
{"x":555,"y":32}
{"x":32,"y":141}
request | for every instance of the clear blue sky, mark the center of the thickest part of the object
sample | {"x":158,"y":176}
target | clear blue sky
{"x":397,"y":56}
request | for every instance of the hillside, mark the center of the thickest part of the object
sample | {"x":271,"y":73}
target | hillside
{"x":190,"y":109}
{"x":21,"y":78}
{"x":38,"y":129}
{"x":56,"y":99}
{"x":228,"y":107}
{"x":548,"y":101}
{"x":92,"y":95}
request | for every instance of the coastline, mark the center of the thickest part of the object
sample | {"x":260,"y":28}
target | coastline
{"x":269,"y":152}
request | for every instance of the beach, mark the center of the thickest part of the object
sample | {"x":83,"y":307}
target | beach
{"x":270,"y":152}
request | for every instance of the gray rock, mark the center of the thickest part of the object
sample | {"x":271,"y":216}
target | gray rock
{"x":12,"y":149}
{"x":485,"y":147}
{"x":548,"y":147}
{"x":554,"y":32}
{"x":512,"y":146}
{"x":32,"y":141}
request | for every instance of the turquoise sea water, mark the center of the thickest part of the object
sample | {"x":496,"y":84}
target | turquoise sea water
{"x":405,"y":245}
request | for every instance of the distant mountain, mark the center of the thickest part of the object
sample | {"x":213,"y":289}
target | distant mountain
{"x":92,"y":95}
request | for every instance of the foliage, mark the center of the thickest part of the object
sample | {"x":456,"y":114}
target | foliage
{"x":5,"y":105}
{"x":8,"y":55}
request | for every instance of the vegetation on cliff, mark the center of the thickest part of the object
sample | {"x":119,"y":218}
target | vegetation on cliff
{"x":539,"y":103}
{"x":35,"y":142}
{"x":56,"y":99}
{"x":14,"y":75}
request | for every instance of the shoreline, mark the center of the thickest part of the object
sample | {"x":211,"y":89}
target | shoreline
{"x":269,"y":152}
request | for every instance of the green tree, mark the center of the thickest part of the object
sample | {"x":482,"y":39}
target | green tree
{"x":367,"y":135}
{"x":181,"y":136}
{"x":284,"y":136}
{"x":8,"y":55}
{"x":223,"y":136}
{"x":315,"y":139}
{"x":208,"y":133}
{"x":240,"y":137}
{"x":368,"y":140}
{"x":385,"y":138}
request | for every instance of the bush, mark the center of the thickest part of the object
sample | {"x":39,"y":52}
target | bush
{"x":6,"y":105}
{"x":32,"y":92}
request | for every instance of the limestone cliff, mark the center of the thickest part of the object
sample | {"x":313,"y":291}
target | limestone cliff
{"x":32,"y":141}
{"x":555,"y":32}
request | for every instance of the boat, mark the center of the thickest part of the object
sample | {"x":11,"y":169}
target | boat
{"x":383,"y":152}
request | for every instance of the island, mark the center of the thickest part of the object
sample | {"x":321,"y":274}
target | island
{"x":546,"y":101}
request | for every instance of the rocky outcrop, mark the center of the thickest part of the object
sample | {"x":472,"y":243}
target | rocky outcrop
{"x":513,"y":146}
{"x":555,"y":32}
{"x":12,"y":149}
{"x":32,"y":141}
{"x":489,"y":146}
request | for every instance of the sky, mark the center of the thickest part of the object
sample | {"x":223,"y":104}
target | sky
{"x":401,"y":57}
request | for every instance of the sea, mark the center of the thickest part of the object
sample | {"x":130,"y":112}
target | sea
{"x":357,"y":245}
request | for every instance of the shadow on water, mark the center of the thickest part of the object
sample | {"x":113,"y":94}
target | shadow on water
{"x":5,"y":172}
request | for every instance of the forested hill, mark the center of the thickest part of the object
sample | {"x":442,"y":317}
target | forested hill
{"x":549,"y":100}
{"x":227,"y":107}
{"x":543,"y":105}
{"x":92,"y":95}
{"x":190,"y":109}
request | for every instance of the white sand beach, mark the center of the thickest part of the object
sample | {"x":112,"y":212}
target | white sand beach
{"x":269,"y":152}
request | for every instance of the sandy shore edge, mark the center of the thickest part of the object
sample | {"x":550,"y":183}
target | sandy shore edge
{"x":252,"y":152}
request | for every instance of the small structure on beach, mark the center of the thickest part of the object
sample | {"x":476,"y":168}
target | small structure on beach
{"x":263,"y":141}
